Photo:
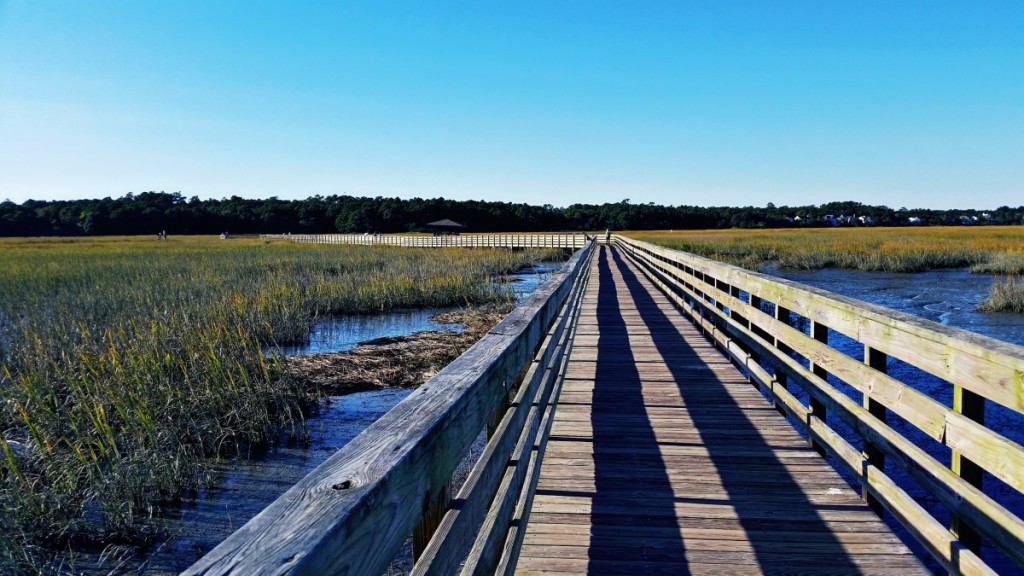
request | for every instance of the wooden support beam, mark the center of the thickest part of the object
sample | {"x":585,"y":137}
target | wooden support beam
{"x":820,"y":333}
{"x":754,"y":302}
{"x":875,"y":456}
{"x":782,"y":315}
{"x":433,"y":511}
{"x":972,"y":406}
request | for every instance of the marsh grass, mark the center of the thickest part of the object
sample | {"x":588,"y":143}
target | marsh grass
{"x":1005,"y":295}
{"x":988,"y":249}
{"x":126,"y":364}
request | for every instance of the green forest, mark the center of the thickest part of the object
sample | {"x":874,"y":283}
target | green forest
{"x":152,"y":212}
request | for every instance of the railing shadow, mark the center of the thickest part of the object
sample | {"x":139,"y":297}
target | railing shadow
{"x":709,"y":405}
{"x":633,"y":520}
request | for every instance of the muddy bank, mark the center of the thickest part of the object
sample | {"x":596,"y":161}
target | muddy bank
{"x":396,"y":362}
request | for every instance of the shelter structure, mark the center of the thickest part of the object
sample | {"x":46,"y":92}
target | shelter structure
{"x":445,"y":226}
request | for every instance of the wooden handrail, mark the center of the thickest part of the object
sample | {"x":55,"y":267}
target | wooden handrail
{"x":353,"y":513}
{"x":565,"y":240}
{"x":755,"y":331}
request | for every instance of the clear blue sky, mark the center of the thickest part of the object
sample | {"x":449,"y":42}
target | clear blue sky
{"x":902,"y":103}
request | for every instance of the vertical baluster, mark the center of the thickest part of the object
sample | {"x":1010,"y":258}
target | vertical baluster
{"x":820,"y":333}
{"x":782,"y":315}
{"x":972,"y":406}
{"x":876,"y":457}
{"x":738,"y":319}
{"x":434,"y":508}
{"x":755,"y":302}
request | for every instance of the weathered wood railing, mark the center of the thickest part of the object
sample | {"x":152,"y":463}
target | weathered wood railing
{"x":353,"y":514}
{"x":749,"y":316}
{"x":554,"y":240}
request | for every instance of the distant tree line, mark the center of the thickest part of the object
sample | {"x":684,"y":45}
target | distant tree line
{"x":151,"y":212}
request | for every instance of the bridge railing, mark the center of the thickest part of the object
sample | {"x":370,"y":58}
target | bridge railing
{"x":541,"y":240}
{"x":353,"y":514}
{"x":751,"y":316}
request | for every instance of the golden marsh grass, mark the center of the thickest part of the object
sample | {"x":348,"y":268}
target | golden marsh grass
{"x":983,"y":249}
{"x":991,"y":249}
{"x":126,"y":363}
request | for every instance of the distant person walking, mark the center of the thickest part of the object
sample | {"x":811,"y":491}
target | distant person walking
{"x":607,"y":236}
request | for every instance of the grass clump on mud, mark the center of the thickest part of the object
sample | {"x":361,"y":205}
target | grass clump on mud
{"x":1006,"y":295}
{"x":984,"y":249}
{"x":127,"y":364}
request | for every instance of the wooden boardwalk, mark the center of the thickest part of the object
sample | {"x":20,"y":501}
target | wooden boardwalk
{"x":663,"y":459}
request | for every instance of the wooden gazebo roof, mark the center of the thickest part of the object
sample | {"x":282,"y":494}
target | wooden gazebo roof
{"x":446,"y":223}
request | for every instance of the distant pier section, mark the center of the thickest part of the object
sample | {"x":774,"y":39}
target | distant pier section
{"x":569,"y":240}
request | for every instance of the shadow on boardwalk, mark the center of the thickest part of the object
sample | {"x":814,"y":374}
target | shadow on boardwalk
{"x":623,"y":450}
{"x":635,"y":528}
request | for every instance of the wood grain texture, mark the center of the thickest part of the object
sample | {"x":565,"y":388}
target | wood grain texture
{"x":663,"y":459}
{"x":966,"y":501}
{"x":995,"y":453}
{"x":989,"y":367}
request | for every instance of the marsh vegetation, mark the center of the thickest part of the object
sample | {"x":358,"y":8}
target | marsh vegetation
{"x":128,"y":364}
{"x":997,"y":250}
{"x":1006,"y":295}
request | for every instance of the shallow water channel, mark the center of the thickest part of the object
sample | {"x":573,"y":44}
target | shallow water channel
{"x":343,"y":333}
{"x":245,"y":487}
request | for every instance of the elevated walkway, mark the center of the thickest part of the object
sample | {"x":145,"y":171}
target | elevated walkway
{"x":663,"y":459}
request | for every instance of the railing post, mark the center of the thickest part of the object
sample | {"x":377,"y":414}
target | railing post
{"x":742,"y":321}
{"x":782,"y":315}
{"x":734,"y":291}
{"x":434,"y":509}
{"x":972,"y":406}
{"x":722,"y":287}
{"x":820,"y":333}
{"x":875,"y":456}
{"x":755,"y":302}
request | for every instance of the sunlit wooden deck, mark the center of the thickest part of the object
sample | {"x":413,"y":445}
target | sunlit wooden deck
{"x":663,"y":459}
{"x":619,"y":441}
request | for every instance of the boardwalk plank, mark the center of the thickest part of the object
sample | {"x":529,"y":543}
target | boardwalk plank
{"x":664,"y":460}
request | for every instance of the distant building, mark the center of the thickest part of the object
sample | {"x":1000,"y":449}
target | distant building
{"x":914,"y":221}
